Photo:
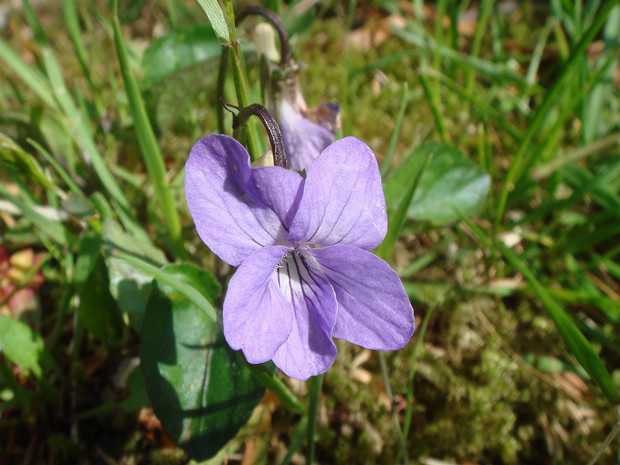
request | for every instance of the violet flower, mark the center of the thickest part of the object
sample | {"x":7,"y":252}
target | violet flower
{"x":304,"y":139}
{"x":302,"y":247}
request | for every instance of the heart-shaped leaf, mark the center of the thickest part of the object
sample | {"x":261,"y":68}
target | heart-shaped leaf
{"x":451,"y":185}
{"x":201,"y":390}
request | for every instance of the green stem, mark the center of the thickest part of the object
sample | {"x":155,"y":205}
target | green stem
{"x":388,"y":390}
{"x":413,"y":364}
{"x":297,"y":440}
{"x":221,"y":79}
{"x":277,"y":387}
{"x":314,"y":387}
{"x":238,"y":78}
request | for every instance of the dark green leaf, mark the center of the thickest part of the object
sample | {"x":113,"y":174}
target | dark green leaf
{"x":89,"y":252}
{"x":177,"y":50}
{"x":450,"y":184}
{"x":166,"y":100}
{"x":99,"y":312}
{"x":201,"y":390}
{"x":177,"y":66}
{"x":137,"y":391}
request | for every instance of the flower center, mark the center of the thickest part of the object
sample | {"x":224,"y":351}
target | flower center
{"x":299,"y":256}
{"x":295,"y":273}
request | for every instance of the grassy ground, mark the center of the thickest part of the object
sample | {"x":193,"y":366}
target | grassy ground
{"x":497,"y":372}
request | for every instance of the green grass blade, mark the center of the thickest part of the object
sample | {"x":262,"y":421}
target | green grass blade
{"x":185,"y":289}
{"x":12,"y":155}
{"x":297,"y":440}
{"x":149,"y":147}
{"x":413,"y":361}
{"x":52,"y":229}
{"x":573,"y":337}
{"x":432,"y":94}
{"x":420,"y":263}
{"x":73,"y":27}
{"x":574,"y":60}
{"x":438,"y":34}
{"x":397,"y":126}
{"x":570,"y":156}
{"x":101,"y":204}
{"x":34,"y":24}
{"x":546,"y":150}
{"x":59,"y":169}
{"x":579,"y":178}
{"x":314,"y":393}
{"x":498,"y":33}
{"x":497,"y":71}
{"x":539,"y":49}
{"x":479,"y":105}
{"x":481,"y":24}
{"x":85,"y":140}
{"x":31,"y":77}
{"x":216,"y":18}
{"x":595,"y":105}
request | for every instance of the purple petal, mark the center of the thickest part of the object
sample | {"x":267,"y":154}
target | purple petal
{"x":280,"y":190}
{"x":303,"y":139}
{"x":257,"y":317}
{"x":237,"y":209}
{"x":309,"y":349}
{"x":343,"y":200}
{"x":373,"y":308}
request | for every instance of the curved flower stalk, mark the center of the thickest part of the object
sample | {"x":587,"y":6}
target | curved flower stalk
{"x":306,"y":131}
{"x":306,"y":273}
